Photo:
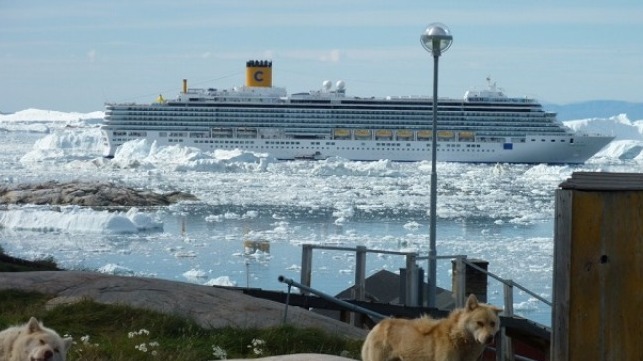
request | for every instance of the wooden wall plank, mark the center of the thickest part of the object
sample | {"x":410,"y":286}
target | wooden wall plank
{"x":598,"y":268}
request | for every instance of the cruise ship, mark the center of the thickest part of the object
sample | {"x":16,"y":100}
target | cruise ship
{"x":485,"y":126}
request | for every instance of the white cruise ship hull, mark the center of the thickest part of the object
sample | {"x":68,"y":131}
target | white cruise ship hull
{"x":536,"y":149}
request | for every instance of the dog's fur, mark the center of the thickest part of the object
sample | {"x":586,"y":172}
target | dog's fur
{"x":462,"y":336}
{"x":32,"y":342}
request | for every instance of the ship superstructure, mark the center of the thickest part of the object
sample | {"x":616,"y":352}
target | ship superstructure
{"x":483,"y":126}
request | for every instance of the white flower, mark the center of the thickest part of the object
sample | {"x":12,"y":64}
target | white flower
{"x":255,"y":345}
{"x":220,"y":353}
{"x":142,"y":331}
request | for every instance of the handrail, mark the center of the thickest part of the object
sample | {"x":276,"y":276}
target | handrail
{"x":330,"y":298}
{"x":338,"y":248}
{"x":508,"y":282}
{"x":461,"y":262}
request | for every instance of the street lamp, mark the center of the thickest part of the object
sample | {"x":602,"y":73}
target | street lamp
{"x":436,"y":39}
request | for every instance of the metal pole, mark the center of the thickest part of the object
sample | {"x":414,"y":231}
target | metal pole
{"x":434,"y":182}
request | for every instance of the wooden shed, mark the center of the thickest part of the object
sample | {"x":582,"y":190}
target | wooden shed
{"x":598,"y":268}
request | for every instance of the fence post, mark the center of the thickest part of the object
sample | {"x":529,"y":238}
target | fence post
{"x":359,"y":290}
{"x":360,"y":273}
{"x":306,"y":265}
{"x":505,"y":350}
{"x":460,"y":281}
{"x":411,"y":291}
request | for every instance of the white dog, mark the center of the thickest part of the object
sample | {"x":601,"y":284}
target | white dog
{"x":32,"y":342}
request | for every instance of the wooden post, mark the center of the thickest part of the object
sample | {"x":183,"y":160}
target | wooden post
{"x":598,"y":268}
{"x":506,"y":348}
{"x":460,"y":282}
{"x":359,"y":290}
{"x":411,"y":291}
{"x":476,"y":281}
{"x":360,"y":273}
{"x":306,"y":265}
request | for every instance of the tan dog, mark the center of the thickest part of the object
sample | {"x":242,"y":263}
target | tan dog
{"x":462,"y":336}
{"x":32,"y":342}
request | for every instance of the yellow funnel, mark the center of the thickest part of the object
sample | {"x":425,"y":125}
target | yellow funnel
{"x":259,"y":73}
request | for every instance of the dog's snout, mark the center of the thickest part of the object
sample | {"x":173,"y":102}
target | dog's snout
{"x":489,"y":339}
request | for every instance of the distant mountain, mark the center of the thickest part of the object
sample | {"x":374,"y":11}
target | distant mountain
{"x":596,"y":109}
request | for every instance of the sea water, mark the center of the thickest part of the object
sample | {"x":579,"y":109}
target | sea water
{"x":500,"y":213}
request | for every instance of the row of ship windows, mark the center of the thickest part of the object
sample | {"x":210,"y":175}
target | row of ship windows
{"x":275,"y":144}
{"x":380,"y":146}
{"x":553,"y":140}
{"x":498,"y":127}
{"x":297,"y":144}
{"x":338,"y":117}
{"x":366,"y":148}
{"x":206,"y":135}
{"x":324,"y":112}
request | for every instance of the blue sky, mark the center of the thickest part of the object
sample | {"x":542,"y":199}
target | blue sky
{"x":75,"y":55}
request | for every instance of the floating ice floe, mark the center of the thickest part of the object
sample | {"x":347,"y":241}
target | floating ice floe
{"x":221,"y":281}
{"x":114,"y":269}
{"x":195,"y":274}
{"x":75,"y":219}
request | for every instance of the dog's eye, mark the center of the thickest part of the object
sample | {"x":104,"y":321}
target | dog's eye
{"x":493,"y":324}
{"x":480,"y":324}
{"x":42,"y":342}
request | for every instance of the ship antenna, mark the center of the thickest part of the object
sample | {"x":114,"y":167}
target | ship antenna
{"x":492,"y":86}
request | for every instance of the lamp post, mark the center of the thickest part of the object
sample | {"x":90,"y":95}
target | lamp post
{"x":436,"y":39}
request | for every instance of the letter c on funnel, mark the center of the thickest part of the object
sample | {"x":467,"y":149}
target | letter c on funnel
{"x":258,"y":75}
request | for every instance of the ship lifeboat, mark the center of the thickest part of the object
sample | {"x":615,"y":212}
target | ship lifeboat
{"x":247,"y":132}
{"x":404,"y":134}
{"x":384,"y":134}
{"x":466,"y":136}
{"x":342,"y":133}
{"x":362,"y":134}
{"x":424,"y":134}
{"x":222,"y":132}
{"x":445,"y":134}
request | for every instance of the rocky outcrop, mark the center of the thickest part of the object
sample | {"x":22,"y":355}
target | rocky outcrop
{"x":297,"y":357}
{"x":210,"y":307}
{"x":91,"y":194}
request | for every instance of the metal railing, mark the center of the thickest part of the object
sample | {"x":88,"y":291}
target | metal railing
{"x":412,"y":281}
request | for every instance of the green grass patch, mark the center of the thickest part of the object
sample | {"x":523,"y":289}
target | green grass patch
{"x":113,"y":332}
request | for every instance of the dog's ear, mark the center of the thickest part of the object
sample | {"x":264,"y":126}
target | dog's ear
{"x":33,"y":325}
{"x":67,"y":342}
{"x":472,"y":302}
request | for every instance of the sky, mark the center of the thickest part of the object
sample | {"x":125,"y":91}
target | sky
{"x":77,"y":55}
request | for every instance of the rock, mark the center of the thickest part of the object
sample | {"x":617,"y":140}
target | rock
{"x":91,"y":194}
{"x":210,"y":307}
{"x":298,"y":357}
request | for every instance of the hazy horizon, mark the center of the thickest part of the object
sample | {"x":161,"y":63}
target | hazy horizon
{"x":75,"y":55}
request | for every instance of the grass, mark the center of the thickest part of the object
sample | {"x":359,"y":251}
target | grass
{"x":109,"y":332}
{"x":119,"y":333}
